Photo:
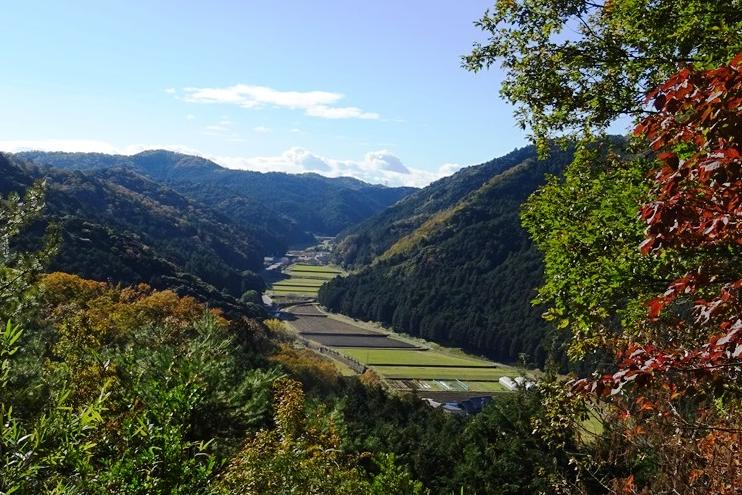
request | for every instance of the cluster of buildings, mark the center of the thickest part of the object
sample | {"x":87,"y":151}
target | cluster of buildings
{"x":315,"y":255}
{"x":272,"y":263}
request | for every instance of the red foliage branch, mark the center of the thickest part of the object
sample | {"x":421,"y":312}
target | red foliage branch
{"x":697,"y":135}
{"x":696,"y":132}
{"x":720,"y":358}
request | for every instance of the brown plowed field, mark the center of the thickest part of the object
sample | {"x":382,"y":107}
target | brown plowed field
{"x":380,"y":341}
{"x":315,"y":325}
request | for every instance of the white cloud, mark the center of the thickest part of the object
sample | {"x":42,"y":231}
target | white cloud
{"x":190,"y":116}
{"x":170,"y":91}
{"x":321,"y":104}
{"x":326,"y":112}
{"x":261,"y":129}
{"x":384,"y":160}
{"x":376,"y":167}
{"x":450,"y":168}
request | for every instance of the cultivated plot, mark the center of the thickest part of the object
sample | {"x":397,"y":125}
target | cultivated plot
{"x":377,"y":341}
{"x":443,"y":373}
{"x":325,"y":276}
{"x":300,"y":267}
{"x":304,"y":280}
{"x":297,"y":292}
{"x":404,"y":365}
{"x":311,"y":324}
{"x":391,"y":357}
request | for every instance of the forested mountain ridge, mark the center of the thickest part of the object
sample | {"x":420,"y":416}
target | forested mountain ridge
{"x":359,"y":245}
{"x":291,"y":205}
{"x":464,"y":272}
{"x":120,"y":226}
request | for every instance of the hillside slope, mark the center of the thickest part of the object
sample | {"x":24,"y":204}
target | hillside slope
{"x":120,"y":226}
{"x":451,"y":262}
{"x":359,"y":245}
{"x":285,"y":205}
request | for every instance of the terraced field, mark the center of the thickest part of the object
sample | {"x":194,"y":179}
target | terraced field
{"x":303,"y":280}
{"x":404,"y":364}
{"x":300,"y":267}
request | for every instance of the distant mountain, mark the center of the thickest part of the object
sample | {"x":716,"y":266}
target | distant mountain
{"x":451,"y":262}
{"x":286,"y":206}
{"x":120,"y":226}
{"x":362,"y":243}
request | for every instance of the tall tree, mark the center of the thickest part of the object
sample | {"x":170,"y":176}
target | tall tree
{"x":642,"y":249}
{"x":20,"y":268}
{"x":576,"y":65}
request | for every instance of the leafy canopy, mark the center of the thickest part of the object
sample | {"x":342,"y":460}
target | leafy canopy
{"x":576,"y":65}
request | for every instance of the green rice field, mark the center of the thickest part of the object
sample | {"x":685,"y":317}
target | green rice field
{"x":412,"y":368}
{"x":432,"y":373}
{"x":486,"y":387}
{"x":296,"y":291}
{"x":304,"y":280}
{"x":299,"y":267}
{"x":322,"y":276}
{"x":393,"y":357}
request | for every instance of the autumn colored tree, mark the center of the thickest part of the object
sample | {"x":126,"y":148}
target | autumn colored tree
{"x":303,"y":454}
{"x":574,"y":66}
{"x":641,"y":243}
{"x":680,"y":378}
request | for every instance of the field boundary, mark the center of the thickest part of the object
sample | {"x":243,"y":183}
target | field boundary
{"x":458,"y":366}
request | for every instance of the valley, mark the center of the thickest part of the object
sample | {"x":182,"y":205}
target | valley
{"x":402,"y":363}
{"x":263,"y":248}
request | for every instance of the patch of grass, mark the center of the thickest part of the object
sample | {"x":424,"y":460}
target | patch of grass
{"x":486,"y":387}
{"x":311,"y":282}
{"x":592,"y":427}
{"x":299,"y":267}
{"x":405,"y":357}
{"x":324,"y":276}
{"x":429,"y":373}
{"x":282,"y":292}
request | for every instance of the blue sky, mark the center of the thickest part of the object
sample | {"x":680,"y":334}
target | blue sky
{"x":369,"y":89}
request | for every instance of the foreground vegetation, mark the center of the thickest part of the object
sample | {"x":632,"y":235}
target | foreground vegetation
{"x":642,"y":246}
{"x":131,"y":390}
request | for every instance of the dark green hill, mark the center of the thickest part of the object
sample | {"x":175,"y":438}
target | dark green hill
{"x":287,"y":205}
{"x":364,"y":242}
{"x":120,"y":226}
{"x":451,"y":262}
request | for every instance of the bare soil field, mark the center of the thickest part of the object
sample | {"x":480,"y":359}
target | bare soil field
{"x":375,"y":341}
{"x":328,"y":326}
